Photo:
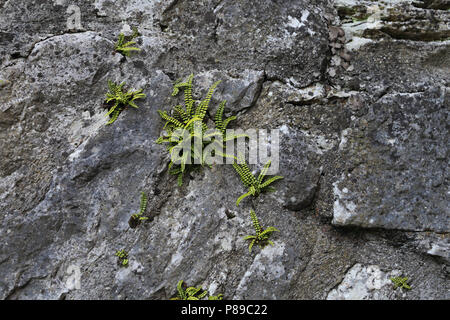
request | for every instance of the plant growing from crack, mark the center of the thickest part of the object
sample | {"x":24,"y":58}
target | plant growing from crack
{"x":255,"y":185}
{"x":190,"y":293}
{"x":400,"y":282}
{"x":137,"y":218}
{"x":124,"y":43}
{"x":117,"y":99}
{"x":261,"y":236}
{"x":122,"y":258}
{"x":187,"y":124}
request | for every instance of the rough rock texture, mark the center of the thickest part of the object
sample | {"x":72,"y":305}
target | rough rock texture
{"x":358,"y":89}
{"x":366,"y":283}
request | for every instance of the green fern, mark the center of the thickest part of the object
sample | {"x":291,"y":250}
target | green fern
{"x":117,"y":99}
{"x":261,"y":236}
{"x":181,"y":127}
{"x":222,"y":125}
{"x":123,"y":258}
{"x":255,"y":185}
{"x":218,"y":297}
{"x":137,"y":218}
{"x":124,"y":43}
{"x":400,"y":282}
{"x":181,"y":116}
{"x":190,"y":293}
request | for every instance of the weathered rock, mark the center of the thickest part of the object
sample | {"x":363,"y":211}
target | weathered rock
{"x":366,"y":283}
{"x":397,"y":153}
{"x":363,"y":149}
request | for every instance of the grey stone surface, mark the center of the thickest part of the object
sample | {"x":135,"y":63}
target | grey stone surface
{"x":358,"y":91}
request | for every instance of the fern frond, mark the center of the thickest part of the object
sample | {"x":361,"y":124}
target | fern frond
{"x":136,"y":94}
{"x":143,"y":203}
{"x":188,"y":100}
{"x":163,"y":139}
{"x":129,"y":43}
{"x":218,"y":118}
{"x":245,"y":195}
{"x":269,"y":181}
{"x":114,"y":117}
{"x":183,"y":115}
{"x":227,"y":120}
{"x":111,"y":86}
{"x":120,"y":40}
{"x":200,"y":112}
{"x":267,"y":232}
{"x":264,"y":172}
{"x":126,"y":51}
{"x":191,"y":291}
{"x":113,"y":108}
{"x":246,"y":175}
{"x":203,"y":294}
{"x":255,"y":222}
{"x":170,"y":119}
{"x":132,"y":104}
{"x":180,"y":290}
{"x":251,"y":245}
{"x":125,"y":47}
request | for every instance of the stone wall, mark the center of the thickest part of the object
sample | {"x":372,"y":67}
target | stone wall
{"x":359,"y":90}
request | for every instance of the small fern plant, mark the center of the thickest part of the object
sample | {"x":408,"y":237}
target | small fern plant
{"x":182,"y":116}
{"x":188,"y":122}
{"x":261,"y":236}
{"x":190,"y":293}
{"x":137,"y":218}
{"x":124,"y":43}
{"x":122,"y":258}
{"x":255,"y":185}
{"x":400,"y":282}
{"x":117,"y":99}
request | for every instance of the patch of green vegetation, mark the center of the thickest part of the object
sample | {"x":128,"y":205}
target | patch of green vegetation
{"x":255,"y":185}
{"x":123,"y":258}
{"x":400,"y":282}
{"x":190,"y":293}
{"x":186,"y":130}
{"x":261,"y":236}
{"x":124,"y":43}
{"x":137,"y":218}
{"x":117,"y":99}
